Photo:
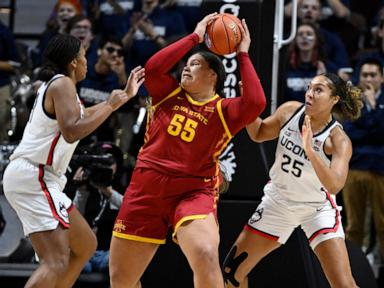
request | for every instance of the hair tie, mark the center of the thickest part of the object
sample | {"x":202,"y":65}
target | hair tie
{"x":349,"y":84}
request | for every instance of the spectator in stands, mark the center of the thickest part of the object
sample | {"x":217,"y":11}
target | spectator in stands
{"x":81,"y":27}
{"x":108,"y":73}
{"x":190,"y":10}
{"x":63,"y":11}
{"x":306,"y":59}
{"x":309,"y":11}
{"x":152,"y":28}
{"x":365,"y":182}
{"x":8,"y":64}
{"x":112,"y":17}
{"x":377,"y":53}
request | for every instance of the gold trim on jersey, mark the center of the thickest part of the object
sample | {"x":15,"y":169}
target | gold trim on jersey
{"x":221,"y":115}
{"x":194,"y":102}
{"x":138,"y":238}
{"x":185,"y":219}
{"x":173,"y":93}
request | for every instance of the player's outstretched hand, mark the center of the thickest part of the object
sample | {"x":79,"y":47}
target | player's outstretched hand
{"x":135,"y":79}
{"x":245,"y":37}
{"x":119,"y":97}
{"x":201,"y":27}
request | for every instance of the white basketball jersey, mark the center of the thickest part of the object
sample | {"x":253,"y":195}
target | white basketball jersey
{"x":292,"y":173}
{"x":42,"y":142}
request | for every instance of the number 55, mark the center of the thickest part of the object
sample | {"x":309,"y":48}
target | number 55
{"x":186,"y":130}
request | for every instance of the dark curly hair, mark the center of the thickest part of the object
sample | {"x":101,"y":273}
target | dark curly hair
{"x":350,"y":103}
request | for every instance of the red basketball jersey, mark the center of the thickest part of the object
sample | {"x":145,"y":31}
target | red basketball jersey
{"x":185,"y":137}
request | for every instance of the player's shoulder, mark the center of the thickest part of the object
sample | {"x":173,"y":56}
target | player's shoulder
{"x":339,"y":140}
{"x":338,"y":134}
{"x":61,"y":84}
{"x":286,"y":110}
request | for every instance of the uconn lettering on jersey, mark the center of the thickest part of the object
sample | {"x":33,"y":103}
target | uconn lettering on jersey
{"x":294,"y":148}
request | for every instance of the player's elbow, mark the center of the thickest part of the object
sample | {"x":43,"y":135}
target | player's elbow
{"x":69,"y":136}
{"x":151,"y":68}
{"x":253,"y":134}
{"x":334,"y":188}
{"x":260,"y":103}
{"x":254,"y":138}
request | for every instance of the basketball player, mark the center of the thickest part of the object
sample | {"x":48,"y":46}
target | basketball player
{"x":34,"y":179}
{"x":310,"y":168}
{"x":176,"y":179}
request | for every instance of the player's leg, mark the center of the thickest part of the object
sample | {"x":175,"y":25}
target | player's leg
{"x":139,"y":228}
{"x":324,"y":230}
{"x":52,"y":248}
{"x":199,"y":241}
{"x":82,"y":245}
{"x":333,"y":257}
{"x":247,"y":251}
{"x":62,"y":253}
{"x":128,"y":260}
{"x":270,"y":226}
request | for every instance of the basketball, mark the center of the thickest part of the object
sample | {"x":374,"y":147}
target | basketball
{"x":223,"y":34}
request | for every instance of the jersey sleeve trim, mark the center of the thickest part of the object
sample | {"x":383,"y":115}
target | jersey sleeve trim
{"x":198,"y":103}
{"x":221,"y":115}
{"x":173,"y":93}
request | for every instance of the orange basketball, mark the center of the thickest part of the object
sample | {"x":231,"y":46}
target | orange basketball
{"x":223,"y":35}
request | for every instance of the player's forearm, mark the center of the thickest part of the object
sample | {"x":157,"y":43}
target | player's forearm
{"x":253,"y":98}
{"x":164,"y":60}
{"x":332,"y":181}
{"x":82,"y":127}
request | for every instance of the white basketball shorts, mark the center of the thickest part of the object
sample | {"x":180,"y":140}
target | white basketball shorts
{"x":36,"y":195}
{"x":276,"y":220}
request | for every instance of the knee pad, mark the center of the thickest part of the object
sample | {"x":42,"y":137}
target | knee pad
{"x":231,"y":264}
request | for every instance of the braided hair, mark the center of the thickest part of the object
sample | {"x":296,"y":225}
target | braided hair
{"x":61,"y":50}
{"x":350,"y":103}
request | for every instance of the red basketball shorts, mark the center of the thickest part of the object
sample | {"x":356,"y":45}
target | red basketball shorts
{"x":154,"y":202}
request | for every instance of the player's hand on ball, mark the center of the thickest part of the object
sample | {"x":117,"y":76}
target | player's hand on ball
{"x":246,"y":37}
{"x":201,"y":27}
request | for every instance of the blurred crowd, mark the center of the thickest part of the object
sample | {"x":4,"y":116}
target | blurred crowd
{"x":341,"y":36}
